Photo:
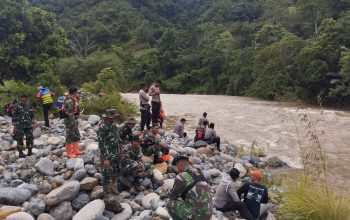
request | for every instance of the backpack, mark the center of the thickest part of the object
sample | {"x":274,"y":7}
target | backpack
{"x":200,"y":132}
{"x":162,"y":114}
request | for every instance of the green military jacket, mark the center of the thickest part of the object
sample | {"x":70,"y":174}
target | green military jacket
{"x":131,"y":160}
{"x":23,"y":116}
{"x":109,"y":141}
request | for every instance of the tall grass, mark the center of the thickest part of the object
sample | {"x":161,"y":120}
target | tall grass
{"x":310,"y":196}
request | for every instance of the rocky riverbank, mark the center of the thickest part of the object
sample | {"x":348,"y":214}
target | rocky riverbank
{"x":48,"y":185}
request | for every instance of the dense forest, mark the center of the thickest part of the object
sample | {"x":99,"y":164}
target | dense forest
{"x":271,"y":49}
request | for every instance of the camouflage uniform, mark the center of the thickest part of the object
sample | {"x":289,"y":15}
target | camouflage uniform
{"x":23,"y":119}
{"x":110,"y":148}
{"x":196,"y":204}
{"x":71,"y":121}
{"x":151,"y":145}
{"x":125,"y":134}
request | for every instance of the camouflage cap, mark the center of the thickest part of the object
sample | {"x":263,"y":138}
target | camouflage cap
{"x":110,"y":113}
{"x":131,"y":121}
{"x":178,"y":158}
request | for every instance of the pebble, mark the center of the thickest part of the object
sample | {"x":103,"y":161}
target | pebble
{"x":45,"y":216}
{"x":45,"y":166}
{"x":163,"y":213}
{"x":63,"y":211}
{"x":36,"y":206}
{"x":125,"y":214}
{"x":14,"y":196}
{"x":91,"y":210}
{"x":88,"y":183}
{"x":146,"y":200}
{"x":80,"y":201}
{"x":66,"y":192}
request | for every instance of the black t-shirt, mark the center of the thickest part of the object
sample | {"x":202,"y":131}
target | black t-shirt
{"x":254,"y":195}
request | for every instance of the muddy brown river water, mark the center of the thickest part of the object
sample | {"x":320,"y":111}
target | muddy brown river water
{"x":241,"y":120}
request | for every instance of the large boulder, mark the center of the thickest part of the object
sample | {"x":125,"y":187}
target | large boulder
{"x":14,"y":196}
{"x":63,"y":211}
{"x":90,"y":211}
{"x":20,"y":216}
{"x":125,"y":214}
{"x":45,"y":166}
{"x":63,"y":193}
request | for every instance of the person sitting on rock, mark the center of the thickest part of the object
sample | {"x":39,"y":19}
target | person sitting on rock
{"x":226,"y":198}
{"x":125,"y":131}
{"x":210,"y":136}
{"x":23,"y":120}
{"x":109,"y":144}
{"x":151,"y":144}
{"x":254,"y":195}
{"x":72,"y":112}
{"x":132,"y":168}
{"x":190,"y":198}
{"x":203,"y":119}
{"x":200,"y":131}
{"x":179,"y":128}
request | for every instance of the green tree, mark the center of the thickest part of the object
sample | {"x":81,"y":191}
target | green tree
{"x":30,"y":40}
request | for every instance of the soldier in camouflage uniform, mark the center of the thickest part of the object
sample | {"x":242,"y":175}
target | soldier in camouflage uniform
{"x":110,"y":148}
{"x":71,"y":111}
{"x":132,"y":168}
{"x":152,"y":145}
{"x":190,"y":198}
{"x":125,"y":131}
{"x":23,"y":119}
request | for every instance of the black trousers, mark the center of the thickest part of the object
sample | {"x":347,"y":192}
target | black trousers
{"x":155,"y":112}
{"x":215,"y":141}
{"x":145,"y":119}
{"x":240,"y":207}
{"x":46,"y":109}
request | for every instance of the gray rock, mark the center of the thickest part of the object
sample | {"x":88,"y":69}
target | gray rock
{"x":108,"y":214}
{"x":88,"y":157}
{"x":93,"y":120}
{"x":146,"y":214}
{"x":146,"y":183}
{"x":245,"y":158}
{"x":275,"y":162}
{"x":16,"y":182}
{"x":44,"y":187}
{"x":37,"y":132}
{"x":125,"y":214}
{"x":189,"y":150}
{"x":29,"y":162}
{"x":65,"y":192}
{"x":255,"y":160}
{"x":163,"y":213}
{"x":79,"y":175}
{"x":80,"y":201}
{"x":7,"y":177}
{"x":63,"y":211}
{"x":36,"y":206}
{"x":199,"y":144}
{"x":88,"y":183}
{"x":90,"y":169}
{"x":101,"y":217}
{"x":134,"y":206}
{"x":13,"y":196}
{"x":90,"y":211}
{"x":20,"y":216}
{"x":146,"y":200}
{"x":45,"y":166}
{"x":45,"y":216}
{"x":25,"y":174}
{"x":31,"y":187}
{"x":156,"y":203}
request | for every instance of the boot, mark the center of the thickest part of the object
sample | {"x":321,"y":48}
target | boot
{"x":30,"y":153}
{"x":76,"y":149}
{"x":21,"y":154}
{"x":69,"y":150}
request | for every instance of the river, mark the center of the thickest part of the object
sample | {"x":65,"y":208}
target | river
{"x":241,"y":120}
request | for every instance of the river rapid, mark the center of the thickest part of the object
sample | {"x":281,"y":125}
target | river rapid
{"x":241,"y":120}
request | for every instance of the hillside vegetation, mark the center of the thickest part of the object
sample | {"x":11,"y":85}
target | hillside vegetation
{"x":271,"y":49}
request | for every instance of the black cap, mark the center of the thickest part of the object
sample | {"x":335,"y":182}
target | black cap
{"x":135,"y":138}
{"x":178,"y":158}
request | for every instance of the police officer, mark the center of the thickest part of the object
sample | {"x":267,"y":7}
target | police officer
{"x":23,"y":120}
{"x":110,"y":148}
{"x":190,"y":197}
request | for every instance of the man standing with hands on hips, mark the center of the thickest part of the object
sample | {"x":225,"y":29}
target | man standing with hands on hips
{"x":154,"y":91}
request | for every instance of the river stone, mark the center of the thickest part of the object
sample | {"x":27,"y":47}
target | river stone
{"x":162,"y":167}
{"x":39,"y":142}
{"x":88,"y":183}
{"x":53,"y":141}
{"x":45,"y":166}
{"x":134,"y":206}
{"x":208,"y":150}
{"x":36,"y":206}
{"x":158,"y":176}
{"x":156,"y":203}
{"x":254,"y":160}
{"x":97,"y":192}
{"x":241,"y":169}
{"x":20,"y":216}
{"x":91,"y":210}
{"x":275,"y":162}
{"x":92,"y":146}
{"x":63,"y":211}
{"x":190,"y":150}
{"x":112,"y":203}
{"x":17,"y":182}
{"x":45,"y":216}
{"x":94,"y":119}
{"x":79,"y":175}
{"x":90,"y":169}
{"x":13,"y":196}
{"x":146,"y":200}
{"x":8,"y":210}
{"x":199,"y":144}
{"x":7,"y":177}
{"x":31,"y":187}
{"x":163,"y":213}
{"x":66,"y":192}
{"x":146,"y":214}
{"x":125,"y":214}
{"x":80,"y":201}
